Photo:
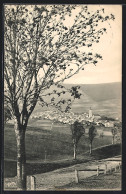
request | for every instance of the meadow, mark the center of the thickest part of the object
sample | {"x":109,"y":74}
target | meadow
{"x":39,"y":138}
{"x":57,"y":142}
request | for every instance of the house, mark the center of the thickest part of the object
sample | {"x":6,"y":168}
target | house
{"x":97,"y":117}
{"x":109,"y":124}
{"x":90,"y":113}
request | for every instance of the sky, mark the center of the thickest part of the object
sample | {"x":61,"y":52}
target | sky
{"x":110,"y":47}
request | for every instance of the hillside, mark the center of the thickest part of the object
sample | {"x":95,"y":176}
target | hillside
{"x":57,"y":143}
{"x":101,"y":92}
{"x":104,"y":99}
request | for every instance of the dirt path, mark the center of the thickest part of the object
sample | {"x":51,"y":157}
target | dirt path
{"x":64,"y":176}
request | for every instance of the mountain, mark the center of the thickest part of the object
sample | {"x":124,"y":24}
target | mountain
{"x":100,"y":92}
{"x":104,"y":99}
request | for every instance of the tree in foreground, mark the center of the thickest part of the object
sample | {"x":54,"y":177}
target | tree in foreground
{"x":40,"y":50}
{"x":92,"y":133}
{"x":77,"y":130}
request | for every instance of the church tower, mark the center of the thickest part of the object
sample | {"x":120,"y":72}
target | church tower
{"x":90,"y":113}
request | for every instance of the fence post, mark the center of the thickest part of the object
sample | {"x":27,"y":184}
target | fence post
{"x":97,"y":170}
{"x":119,"y":166}
{"x":115,"y":168}
{"x":76,"y":176}
{"x":45,"y":155}
{"x":33,"y":183}
{"x":105,"y":172}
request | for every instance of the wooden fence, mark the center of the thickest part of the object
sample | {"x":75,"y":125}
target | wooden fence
{"x":105,"y":170}
{"x":31,"y":183}
{"x":98,"y":170}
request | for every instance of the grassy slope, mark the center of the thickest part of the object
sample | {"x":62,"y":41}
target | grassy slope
{"x":39,"y":168}
{"x":57,"y":142}
{"x":103,"y":182}
{"x":101,"y":92}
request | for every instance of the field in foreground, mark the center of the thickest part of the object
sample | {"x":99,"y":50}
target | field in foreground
{"x":103,"y":182}
{"x":37,"y":167}
{"x":63,"y":177}
{"x":56,"y":142}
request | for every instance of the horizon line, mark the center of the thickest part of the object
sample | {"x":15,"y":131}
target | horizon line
{"x":94,"y":83}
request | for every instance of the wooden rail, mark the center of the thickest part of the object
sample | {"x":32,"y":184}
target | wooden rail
{"x":115,"y":160}
{"x":77,"y":178}
{"x":98,"y":170}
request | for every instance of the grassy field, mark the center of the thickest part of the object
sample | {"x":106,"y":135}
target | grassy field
{"x":57,"y":143}
{"x":102,"y":182}
{"x":60,"y":174}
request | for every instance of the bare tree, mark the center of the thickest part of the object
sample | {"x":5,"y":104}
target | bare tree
{"x":92,"y":133}
{"x":41,"y":51}
{"x":77,"y":130}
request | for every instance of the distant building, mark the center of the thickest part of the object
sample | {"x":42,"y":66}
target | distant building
{"x":90,"y":113}
{"x":97,"y":117}
{"x":97,"y":122}
{"x":109,"y":124}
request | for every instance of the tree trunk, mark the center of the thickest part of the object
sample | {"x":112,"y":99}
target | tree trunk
{"x":51,"y":126}
{"x":90,"y":148}
{"x":75,"y":151}
{"x":23,"y":162}
{"x":21,"y":157}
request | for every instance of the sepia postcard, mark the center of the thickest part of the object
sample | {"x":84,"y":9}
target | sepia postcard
{"x":62,"y":97}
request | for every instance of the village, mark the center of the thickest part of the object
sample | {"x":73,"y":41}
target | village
{"x":104,"y":125}
{"x":70,"y":117}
